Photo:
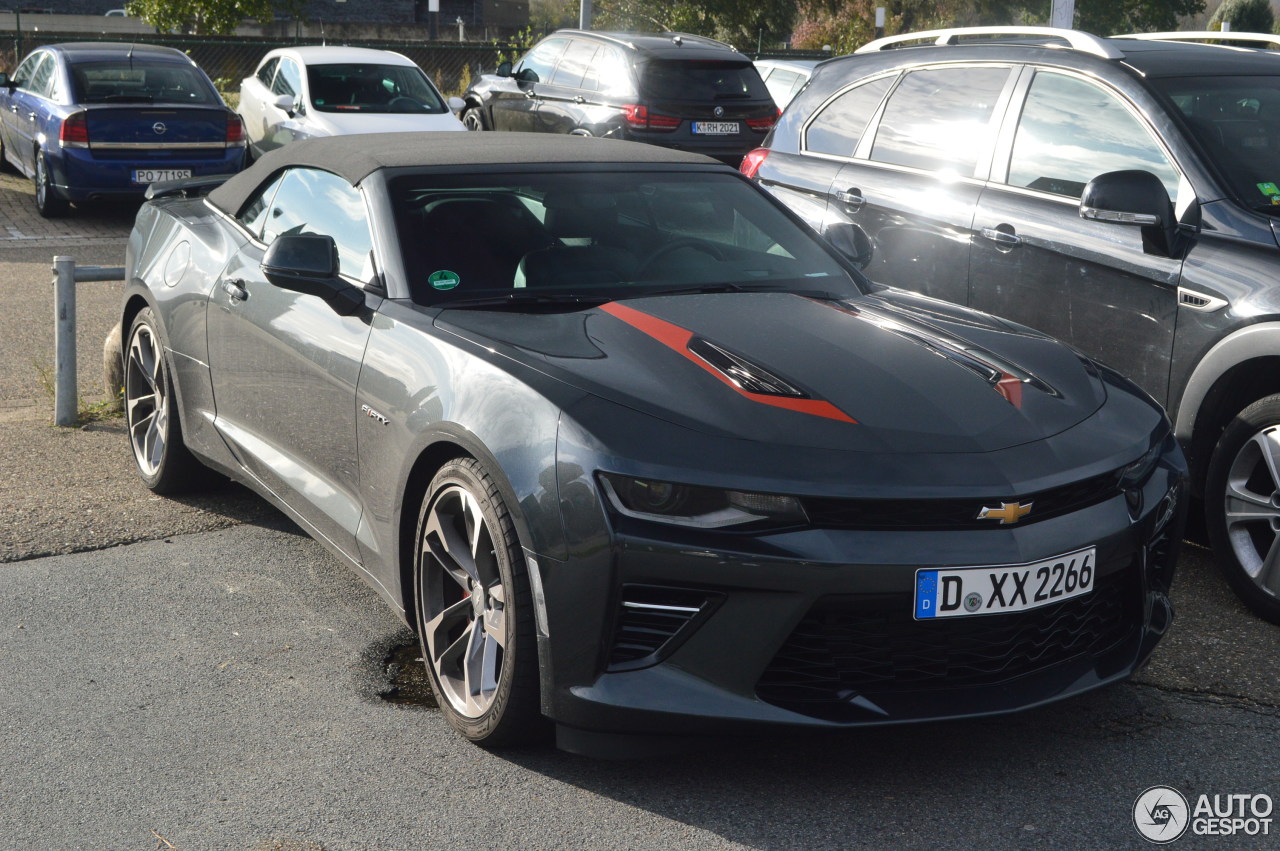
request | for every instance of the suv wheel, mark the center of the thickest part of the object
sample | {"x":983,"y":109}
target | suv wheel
{"x":473,"y":119}
{"x":1242,"y":506}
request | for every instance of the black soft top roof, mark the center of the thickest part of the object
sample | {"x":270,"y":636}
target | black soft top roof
{"x":356,"y":157}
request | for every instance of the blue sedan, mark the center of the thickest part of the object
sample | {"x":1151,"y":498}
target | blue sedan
{"x":90,"y":121}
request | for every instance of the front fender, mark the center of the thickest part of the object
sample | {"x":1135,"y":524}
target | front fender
{"x":1256,"y":341}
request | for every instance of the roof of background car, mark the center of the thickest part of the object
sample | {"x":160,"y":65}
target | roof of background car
{"x":89,"y":51}
{"x":324,"y":55}
{"x":356,"y":157}
{"x":663,"y":45}
{"x":1193,"y":59}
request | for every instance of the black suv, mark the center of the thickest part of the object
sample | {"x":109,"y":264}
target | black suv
{"x":1122,"y":194}
{"x":669,"y":89}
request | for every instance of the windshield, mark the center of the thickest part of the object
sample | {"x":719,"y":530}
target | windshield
{"x":1236,"y":120}
{"x":600,"y":235}
{"x":140,"y":81}
{"x":352,"y":87}
{"x":703,"y":81}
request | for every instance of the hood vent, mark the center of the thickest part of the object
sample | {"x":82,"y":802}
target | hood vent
{"x":744,"y":374}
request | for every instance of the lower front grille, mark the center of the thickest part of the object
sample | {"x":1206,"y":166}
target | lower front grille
{"x":870,"y":644}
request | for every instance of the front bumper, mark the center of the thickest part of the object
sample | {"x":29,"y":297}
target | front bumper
{"x":815,"y":628}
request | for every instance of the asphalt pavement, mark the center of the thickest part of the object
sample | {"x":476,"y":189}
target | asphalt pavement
{"x":198,"y":674}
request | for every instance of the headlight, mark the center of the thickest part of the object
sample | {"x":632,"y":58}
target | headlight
{"x":699,"y":507}
{"x":1137,"y":473}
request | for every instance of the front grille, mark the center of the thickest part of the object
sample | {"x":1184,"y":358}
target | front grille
{"x":924,"y":514}
{"x":649,"y":618}
{"x":870,"y":644}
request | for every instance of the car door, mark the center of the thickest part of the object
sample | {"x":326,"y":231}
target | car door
{"x":255,"y":93}
{"x":1039,"y":263}
{"x":562,"y":103}
{"x":17,"y":135}
{"x":27,"y":108}
{"x":285,"y":364}
{"x":515,"y":100}
{"x":913,"y":184}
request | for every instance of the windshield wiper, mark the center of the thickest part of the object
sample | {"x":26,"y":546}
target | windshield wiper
{"x":527,"y":297}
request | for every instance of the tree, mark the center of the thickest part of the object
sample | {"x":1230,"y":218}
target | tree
{"x":1246,"y":16}
{"x":742,"y":23}
{"x":1113,"y":17}
{"x":200,"y":17}
{"x":548,"y":15}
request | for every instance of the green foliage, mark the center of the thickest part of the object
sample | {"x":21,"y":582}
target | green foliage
{"x":1246,"y":16}
{"x":199,"y":17}
{"x":548,"y":15}
{"x":742,"y":23}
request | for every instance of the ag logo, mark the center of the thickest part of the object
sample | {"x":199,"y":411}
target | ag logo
{"x":1161,"y":815}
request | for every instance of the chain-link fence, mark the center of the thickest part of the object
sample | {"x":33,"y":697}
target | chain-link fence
{"x":452,"y":65}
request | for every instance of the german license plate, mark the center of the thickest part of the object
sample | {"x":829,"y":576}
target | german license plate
{"x":957,"y":592}
{"x":715,"y":128}
{"x":154,"y":175}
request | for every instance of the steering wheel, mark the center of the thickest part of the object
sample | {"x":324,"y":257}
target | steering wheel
{"x":677,"y":244}
{"x":400,"y":103}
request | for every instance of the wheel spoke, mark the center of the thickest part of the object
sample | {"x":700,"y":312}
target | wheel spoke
{"x":495,"y":626}
{"x":1245,"y":506}
{"x":1268,"y":443}
{"x":436,"y":547}
{"x":438,"y":627}
{"x":1269,"y":576}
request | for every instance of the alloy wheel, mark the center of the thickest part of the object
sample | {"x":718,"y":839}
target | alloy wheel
{"x":464,"y":602}
{"x":1253,"y":509}
{"x":146,"y":400}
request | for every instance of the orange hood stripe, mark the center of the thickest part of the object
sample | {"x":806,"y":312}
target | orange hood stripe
{"x":677,"y":339}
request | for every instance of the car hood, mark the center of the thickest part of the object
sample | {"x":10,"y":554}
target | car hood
{"x":340,"y":124}
{"x":864,"y":374}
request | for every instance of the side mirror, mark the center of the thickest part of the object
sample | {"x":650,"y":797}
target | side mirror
{"x":288,"y":103}
{"x":1133,"y":197}
{"x":851,"y":241}
{"x":457,"y":104}
{"x":308,"y":263}
{"x":504,"y":70}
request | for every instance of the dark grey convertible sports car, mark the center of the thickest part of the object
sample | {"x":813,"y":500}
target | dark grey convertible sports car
{"x":635,"y":451}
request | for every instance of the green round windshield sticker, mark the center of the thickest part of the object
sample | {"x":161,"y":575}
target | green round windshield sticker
{"x":444,"y":279}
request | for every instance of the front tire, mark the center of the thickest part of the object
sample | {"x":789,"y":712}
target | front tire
{"x":48,"y":204}
{"x":155,"y":432}
{"x":1242,"y":506}
{"x":474,"y":611}
{"x":473,"y":119}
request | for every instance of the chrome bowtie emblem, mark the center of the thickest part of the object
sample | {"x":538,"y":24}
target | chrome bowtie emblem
{"x":718,"y":111}
{"x":159,"y":128}
{"x":1007,"y":513}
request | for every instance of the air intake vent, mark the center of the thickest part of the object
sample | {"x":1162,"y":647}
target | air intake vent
{"x":649,"y":620}
{"x":1199,"y":301}
{"x":744,"y":373}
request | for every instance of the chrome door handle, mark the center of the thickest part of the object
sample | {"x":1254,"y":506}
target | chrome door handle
{"x":1002,"y":238}
{"x":579,"y":99}
{"x":31,"y":115}
{"x":851,"y":198}
{"x":529,"y":94}
{"x":235,"y":291}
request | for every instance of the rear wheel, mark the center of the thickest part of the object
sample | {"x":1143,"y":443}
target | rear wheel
{"x":48,"y":204}
{"x":155,"y":432}
{"x":473,"y":119}
{"x":474,"y":612}
{"x":1242,"y":506}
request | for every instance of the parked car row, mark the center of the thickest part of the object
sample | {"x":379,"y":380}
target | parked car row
{"x":1122,"y":194}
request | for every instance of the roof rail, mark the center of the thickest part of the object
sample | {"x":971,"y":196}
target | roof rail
{"x":1076,"y":40}
{"x":1261,"y":38}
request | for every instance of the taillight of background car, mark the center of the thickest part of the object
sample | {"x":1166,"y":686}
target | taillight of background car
{"x":235,"y":130}
{"x":752,"y":161}
{"x":640,"y":118}
{"x":761,"y":125}
{"x":74,"y":132}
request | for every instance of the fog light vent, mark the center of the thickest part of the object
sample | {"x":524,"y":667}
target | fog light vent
{"x":650,"y":619}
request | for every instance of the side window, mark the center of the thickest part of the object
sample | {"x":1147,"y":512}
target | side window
{"x":573,"y":67}
{"x":779,"y":83}
{"x":1071,"y":131}
{"x":609,"y":73}
{"x":22,"y":76}
{"x":42,"y":80}
{"x":537,"y":63}
{"x":254,"y":214}
{"x":312,"y":201}
{"x":267,"y":71}
{"x":289,"y":80}
{"x":939,"y":119}
{"x":838,"y":128}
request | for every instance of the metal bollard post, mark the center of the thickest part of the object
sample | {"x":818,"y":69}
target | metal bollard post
{"x":65,"y":403}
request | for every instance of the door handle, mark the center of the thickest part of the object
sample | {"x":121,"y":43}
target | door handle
{"x":31,"y":115}
{"x":529,"y":94}
{"x":579,"y":99}
{"x":235,"y":291}
{"x":1002,"y":238}
{"x":851,"y":198}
